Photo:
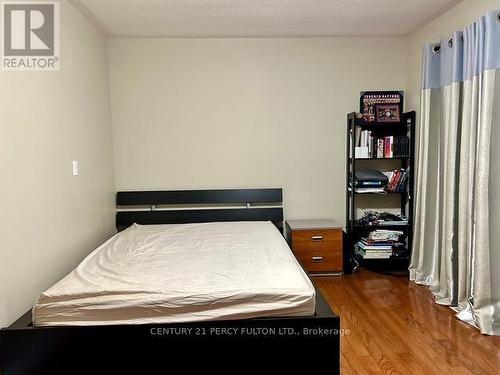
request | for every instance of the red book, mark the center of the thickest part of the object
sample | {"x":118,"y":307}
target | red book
{"x":387,"y":147}
{"x":394,"y":180}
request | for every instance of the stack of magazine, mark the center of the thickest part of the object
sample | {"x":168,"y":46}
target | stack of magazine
{"x":378,"y":244}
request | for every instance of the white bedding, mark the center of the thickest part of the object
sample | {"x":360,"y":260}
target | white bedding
{"x":181,"y":273}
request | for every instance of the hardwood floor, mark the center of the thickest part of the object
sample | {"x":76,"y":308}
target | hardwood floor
{"x":396,"y":328}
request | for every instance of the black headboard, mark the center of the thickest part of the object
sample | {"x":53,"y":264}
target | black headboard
{"x":198,"y":206}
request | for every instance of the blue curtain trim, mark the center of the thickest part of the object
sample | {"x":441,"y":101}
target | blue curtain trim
{"x":465,"y":55}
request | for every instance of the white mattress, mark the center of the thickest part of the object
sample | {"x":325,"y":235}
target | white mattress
{"x":181,"y":273}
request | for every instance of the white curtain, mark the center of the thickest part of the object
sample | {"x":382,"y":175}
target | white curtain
{"x":456,"y":247}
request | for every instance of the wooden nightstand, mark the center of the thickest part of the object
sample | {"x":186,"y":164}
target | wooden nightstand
{"x":317,"y":244}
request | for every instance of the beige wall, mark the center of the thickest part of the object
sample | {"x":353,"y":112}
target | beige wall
{"x":222,"y":113}
{"x":186,"y":114}
{"x":50,"y":220}
{"x":442,"y":27}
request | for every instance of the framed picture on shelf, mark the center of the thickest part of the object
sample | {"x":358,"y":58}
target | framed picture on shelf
{"x":387,"y":113}
{"x":369,"y":99}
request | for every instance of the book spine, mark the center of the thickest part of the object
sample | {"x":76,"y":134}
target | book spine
{"x":369,"y":144}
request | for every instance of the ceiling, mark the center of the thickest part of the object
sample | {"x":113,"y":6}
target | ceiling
{"x":260,"y":18}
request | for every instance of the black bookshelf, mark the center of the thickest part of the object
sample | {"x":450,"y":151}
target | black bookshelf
{"x":355,"y":230}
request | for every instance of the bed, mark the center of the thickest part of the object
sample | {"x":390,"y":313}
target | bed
{"x":173,"y":273}
{"x":187,"y":271}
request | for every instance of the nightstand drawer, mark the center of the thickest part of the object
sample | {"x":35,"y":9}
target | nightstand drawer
{"x":320,"y":261}
{"x":315,"y":240}
{"x":317,"y":245}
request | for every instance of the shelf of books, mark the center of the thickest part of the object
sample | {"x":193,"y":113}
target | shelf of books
{"x":371,"y":144}
{"x":379,"y":163}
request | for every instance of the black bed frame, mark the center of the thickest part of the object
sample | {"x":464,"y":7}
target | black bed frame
{"x":293,"y":344}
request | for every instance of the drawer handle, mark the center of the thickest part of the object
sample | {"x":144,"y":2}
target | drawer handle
{"x":317,"y":259}
{"x":317,"y":238}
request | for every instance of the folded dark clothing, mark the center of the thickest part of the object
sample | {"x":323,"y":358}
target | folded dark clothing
{"x":370,"y":175}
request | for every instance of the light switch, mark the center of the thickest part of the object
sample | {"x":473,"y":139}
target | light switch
{"x":75,"y":168}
